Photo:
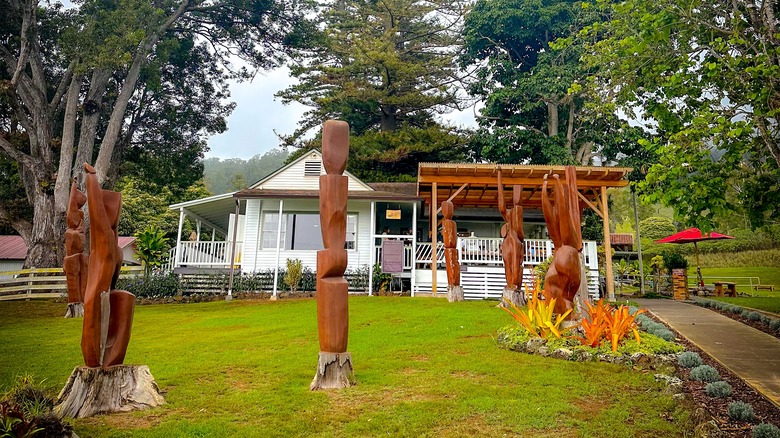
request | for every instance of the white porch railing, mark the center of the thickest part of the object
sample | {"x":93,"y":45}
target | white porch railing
{"x":487,"y":251}
{"x":211,"y":254}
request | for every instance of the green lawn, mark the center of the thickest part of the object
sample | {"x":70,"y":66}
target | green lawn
{"x":770,"y":304}
{"x":766,"y":275}
{"x":425,"y":367}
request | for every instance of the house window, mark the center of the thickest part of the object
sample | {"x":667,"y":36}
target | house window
{"x":301,"y":231}
{"x":312,"y":168}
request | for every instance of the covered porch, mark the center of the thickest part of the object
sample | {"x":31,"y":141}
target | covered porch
{"x":475,"y":186}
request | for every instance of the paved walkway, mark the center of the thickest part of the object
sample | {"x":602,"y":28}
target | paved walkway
{"x":751,"y":354}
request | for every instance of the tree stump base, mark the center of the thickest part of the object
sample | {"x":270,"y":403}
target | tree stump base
{"x":513,"y":296}
{"x":334,"y":371}
{"x":121,"y":388}
{"x":75,"y":310}
{"x":454,"y":293}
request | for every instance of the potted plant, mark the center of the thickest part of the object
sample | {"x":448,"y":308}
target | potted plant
{"x":678,"y":269}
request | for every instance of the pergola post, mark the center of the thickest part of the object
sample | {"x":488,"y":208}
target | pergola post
{"x":434,"y":217}
{"x":607,"y":246}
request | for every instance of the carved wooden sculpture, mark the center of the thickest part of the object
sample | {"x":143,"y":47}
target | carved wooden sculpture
{"x":75,"y":263}
{"x":449,"y":232}
{"x":563,"y":218}
{"x":105,"y":385}
{"x":108,"y":313}
{"x":513,"y":247}
{"x":334,"y":368}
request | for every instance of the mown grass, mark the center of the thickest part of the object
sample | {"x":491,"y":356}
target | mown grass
{"x":766,"y":276}
{"x":767,"y":258}
{"x":425,"y":367}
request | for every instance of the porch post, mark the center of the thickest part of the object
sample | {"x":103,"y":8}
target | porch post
{"x":233,"y":250}
{"x":213,"y":234}
{"x":434,"y":217}
{"x":177,"y":258}
{"x":372,"y":248}
{"x":607,"y":246}
{"x":278,"y":249}
{"x":197,"y":231}
{"x":414,"y":245}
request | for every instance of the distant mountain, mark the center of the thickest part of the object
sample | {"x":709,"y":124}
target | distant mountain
{"x":223,"y":176}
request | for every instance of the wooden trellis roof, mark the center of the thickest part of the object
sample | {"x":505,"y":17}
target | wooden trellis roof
{"x":476,"y":185}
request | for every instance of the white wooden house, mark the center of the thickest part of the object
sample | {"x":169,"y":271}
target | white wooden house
{"x":277,"y":219}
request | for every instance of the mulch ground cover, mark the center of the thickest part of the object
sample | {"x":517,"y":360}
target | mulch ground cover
{"x":765,"y":410}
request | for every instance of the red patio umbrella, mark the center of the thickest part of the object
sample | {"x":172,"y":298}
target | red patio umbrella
{"x":693,"y":235}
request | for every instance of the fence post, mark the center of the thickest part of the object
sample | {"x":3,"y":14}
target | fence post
{"x":30,"y":283}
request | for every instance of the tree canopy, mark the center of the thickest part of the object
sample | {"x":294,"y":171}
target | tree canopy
{"x":105,"y":80}
{"x":387,"y":68}
{"x":530,"y":82}
{"x":703,"y":75}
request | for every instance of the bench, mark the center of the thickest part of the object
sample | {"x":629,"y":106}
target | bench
{"x":731,"y":287}
{"x":769,"y":287}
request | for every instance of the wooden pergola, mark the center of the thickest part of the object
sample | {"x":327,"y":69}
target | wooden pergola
{"x":476,"y":185}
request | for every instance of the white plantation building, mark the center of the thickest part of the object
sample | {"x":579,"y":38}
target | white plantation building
{"x":277,"y":219}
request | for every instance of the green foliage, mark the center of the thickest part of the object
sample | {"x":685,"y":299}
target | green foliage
{"x":381,"y":281}
{"x":540,"y":271}
{"x":765,"y":430}
{"x":689,"y":359}
{"x":674,"y":261}
{"x":656,"y":227}
{"x":144,"y":206}
{"x":387,"y":69}
{"x":155,"y":285}
{"x":535,"y":109}
{"x":718,"y":389}
{"x":26,"y":411}
{"x":775,"y":324}
{"x":152,"y":246}
{"x":741,"y":411}
{"x":703,"y":90}
{"x":294,"y":274}
{"x":705,"y":373}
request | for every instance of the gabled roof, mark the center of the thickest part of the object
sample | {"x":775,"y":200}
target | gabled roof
{"x":310,"y":155}
{"x":13,"y":247}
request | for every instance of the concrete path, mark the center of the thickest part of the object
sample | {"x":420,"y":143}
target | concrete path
{"x":751,"y":354}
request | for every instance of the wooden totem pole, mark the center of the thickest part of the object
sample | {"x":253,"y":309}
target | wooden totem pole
{"x":513,"y":247}
{"x":334,"y":367}
{"x":75,"y":263}
{"x":449,"y":232}
{"x":564,"y":278}
{"x":105,"y":385}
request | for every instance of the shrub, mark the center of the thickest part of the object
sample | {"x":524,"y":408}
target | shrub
{"x":538,"y":317}
{"x":294,"y":274}
{"x":766,"y":430}
{"x":689,"y":359}
{"x":26,"y":410}
{"x":765,"y":320}
{"x":741,"y":411}
{"x":153,"y":286}
{"x":152,"y":246}
{"x":674,"y":261}
{"x":664,"y":334}
{"x":705,"y":373}
{"x":656,"y":227}
{"x":745,"y":312}
{"x":775,"y":324}
{"x":754,"y":316}
{"x":718,"y":389}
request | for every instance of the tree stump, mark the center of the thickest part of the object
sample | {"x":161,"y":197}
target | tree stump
{"x":121,"y":388}
{"x":334,"y":371}
{"x":513,"y":296}
{"x":454,"y":293}
{"x":75,"y":310}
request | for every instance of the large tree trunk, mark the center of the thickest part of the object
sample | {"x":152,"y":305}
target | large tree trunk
{"x":45,"y":246}
{"x":389,"y":120}
{"x":552,"y":119}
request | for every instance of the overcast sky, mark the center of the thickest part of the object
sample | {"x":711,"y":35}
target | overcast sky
{"x":251,"y":125}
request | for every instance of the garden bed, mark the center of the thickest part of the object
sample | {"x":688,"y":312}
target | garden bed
{"x":716,"y":407}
